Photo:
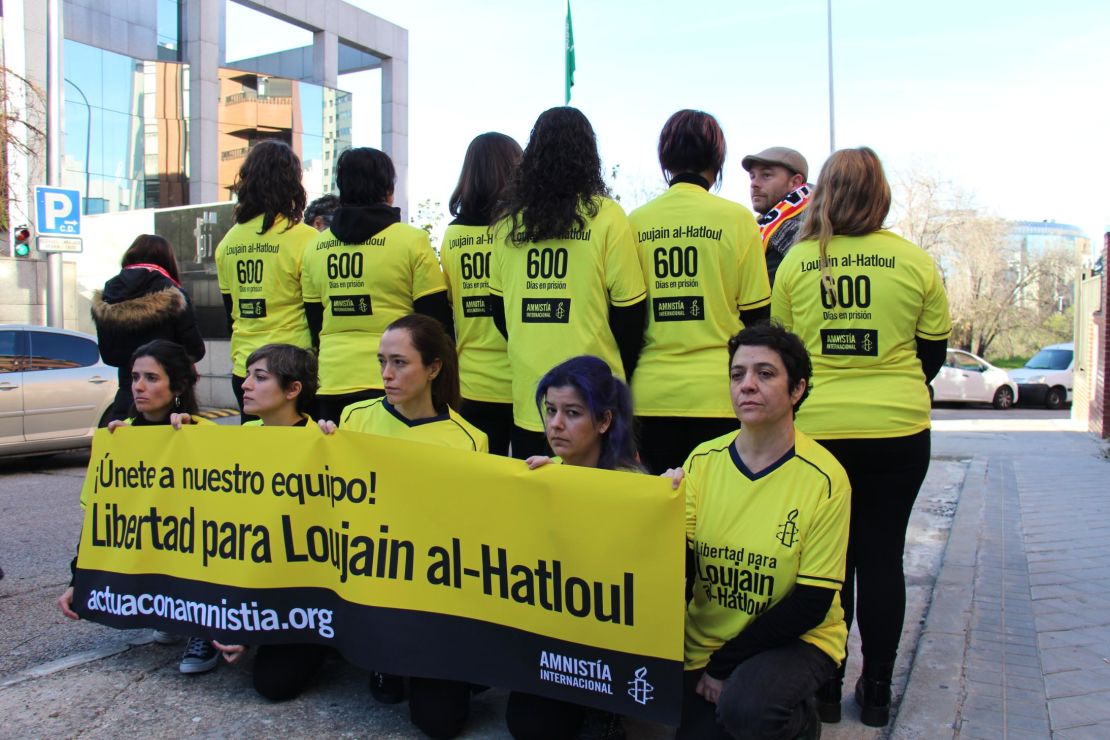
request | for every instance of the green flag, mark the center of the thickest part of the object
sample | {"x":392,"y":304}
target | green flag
{"x":569,"y":55}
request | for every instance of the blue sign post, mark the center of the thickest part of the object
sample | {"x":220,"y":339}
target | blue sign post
{"x":58,"y":219}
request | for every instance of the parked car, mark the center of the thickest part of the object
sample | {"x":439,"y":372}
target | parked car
{"x":1047,"y":377}
{"x":969,"y":378}
{"x":54,"y":389}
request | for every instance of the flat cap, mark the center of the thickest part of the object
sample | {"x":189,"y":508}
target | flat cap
{"x":780,"y":155}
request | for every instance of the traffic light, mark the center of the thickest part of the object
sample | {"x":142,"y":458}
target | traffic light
{"x":21,"y":241}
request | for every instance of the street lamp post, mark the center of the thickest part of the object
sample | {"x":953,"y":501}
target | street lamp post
{"x":54,"y":298}
{"x":88,"y":139}
{"x":832,"y":116}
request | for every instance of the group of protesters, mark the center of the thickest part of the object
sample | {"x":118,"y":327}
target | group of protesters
{"x":555,"y":328}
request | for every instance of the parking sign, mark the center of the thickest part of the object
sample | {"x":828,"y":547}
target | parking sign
{"x":58,"y":211}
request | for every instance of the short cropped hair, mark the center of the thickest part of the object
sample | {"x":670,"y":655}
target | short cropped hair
{"x":692,"y":141}
{"x":290,"y":364}
{"x":787,"y":345}
{"x":365,"y":176}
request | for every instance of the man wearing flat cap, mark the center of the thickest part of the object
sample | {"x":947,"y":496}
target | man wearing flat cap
{"x":780,"y":196}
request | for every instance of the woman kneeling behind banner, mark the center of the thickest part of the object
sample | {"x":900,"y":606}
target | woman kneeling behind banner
{"x":767,"y":529}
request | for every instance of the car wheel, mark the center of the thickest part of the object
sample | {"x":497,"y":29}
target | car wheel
{"x":1003,"y":397}
{"x":1055,"y":398}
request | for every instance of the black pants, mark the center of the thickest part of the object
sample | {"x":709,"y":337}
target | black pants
{"x":531,"y":717}
{"x":886,"y":475}
{"x":439,"y":707}
{"x":763,"y":698}
{"x":666,"y":441}
{"x":237,"y":389}
{"x":330,"y":407}
{"x":495,"y":419}
{"x":281,"y":672}
{"x":526,"y":443}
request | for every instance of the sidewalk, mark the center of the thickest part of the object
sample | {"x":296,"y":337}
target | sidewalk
{"x":1016,"y":642}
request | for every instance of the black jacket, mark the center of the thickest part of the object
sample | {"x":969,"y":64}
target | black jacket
{"x":135,"y":307}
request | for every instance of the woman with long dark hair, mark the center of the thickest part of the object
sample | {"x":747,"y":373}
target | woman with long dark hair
{"x":587,"y":418}
{"x":704,"y":284}
{"x":420,"y":371}
{"x":145,"y":301}
{"x":163,"y":382}
{"x":564,"y":276}
{"x":872,"y":311}
{"x":365,"y":271}
{"x":258,"y":262}
{"x":464,"y":253}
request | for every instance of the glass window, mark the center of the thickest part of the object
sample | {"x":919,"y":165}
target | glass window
{"x":1050,"y":359}
{"x":169,"y":30}
{"x":968,"y":363}
{"x":50,"y":351}
{"x":9,"y":352}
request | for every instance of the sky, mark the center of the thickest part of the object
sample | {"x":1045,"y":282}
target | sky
{"x":1007,"y":100}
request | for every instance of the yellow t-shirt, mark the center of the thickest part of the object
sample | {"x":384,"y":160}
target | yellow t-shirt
{"x":363,"y":289}
{"x":755,"y":536}
{"x":262,"y":274}
{"x":703,"y":263}
{"x":309,"y":423}
{"x":483,"y":355}
{"x":557,"y":295}
{"x":378,"y":416}
{"x":867,"y":380}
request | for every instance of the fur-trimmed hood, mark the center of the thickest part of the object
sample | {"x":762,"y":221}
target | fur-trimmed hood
{"x":164,"y":301}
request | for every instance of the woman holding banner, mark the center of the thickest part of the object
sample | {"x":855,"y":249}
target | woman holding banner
{"x":766,"y":532}
{"x":279,"y":388}
{"x":162,"y":384}
{"x":420,"y":371}
{"x":587,"y":418}
{"x":872,"y":310}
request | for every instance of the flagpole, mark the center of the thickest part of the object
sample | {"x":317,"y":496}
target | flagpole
{"x":832,"y":115}
{"x":568,"y":55}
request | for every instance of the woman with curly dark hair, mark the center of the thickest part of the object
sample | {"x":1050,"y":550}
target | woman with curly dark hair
{"x":258,"y":262}
{"x":564,"y":275}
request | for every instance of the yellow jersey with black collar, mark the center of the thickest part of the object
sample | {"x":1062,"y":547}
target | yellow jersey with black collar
{"x":703,"y":263}
{"x":364,"y":288}
{"x":867,"y":379}
{"x":484,"y":373}
{"x":557,"y":295}
{"x":755,"y":536}
{"x":262,"y":275}
{"x":378,"y":416}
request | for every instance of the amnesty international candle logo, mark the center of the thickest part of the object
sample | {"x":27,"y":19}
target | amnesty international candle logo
{"x":788,"y":530}
{"x":351,"y":305}
{"x":861,"y":342}
{"x":252,"y":308}
{"x":545,"y":310}
{"x":260,"y":536}
{"x":678,"y":308}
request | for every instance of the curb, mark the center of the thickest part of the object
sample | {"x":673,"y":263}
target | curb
{"x":934,"y":691}
{"x":217,"y":413}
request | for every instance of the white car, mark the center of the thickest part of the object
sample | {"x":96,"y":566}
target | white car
{"x":1047,"y":377}
{"x":54,"y":389}
{"x":969,"y":378}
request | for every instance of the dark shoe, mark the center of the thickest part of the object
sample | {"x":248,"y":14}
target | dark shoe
{"x":387,"y":688}
{"x":811,"y":730}
{"x":828,"y":700}
{"x":873,"y":697}
{"x":200,"y":656}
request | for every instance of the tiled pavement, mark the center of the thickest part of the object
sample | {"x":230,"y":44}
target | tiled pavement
{"x":1017,"y":640}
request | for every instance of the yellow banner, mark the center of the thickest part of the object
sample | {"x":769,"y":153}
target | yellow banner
{"x":570,"y":566}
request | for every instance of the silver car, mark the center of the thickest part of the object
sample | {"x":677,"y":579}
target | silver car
{"x":54,"y":389}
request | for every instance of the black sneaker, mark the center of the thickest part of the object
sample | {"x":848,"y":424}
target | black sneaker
{"x":200,"y":656}
{"x":828,"y":700}
{"x":387,"y":688}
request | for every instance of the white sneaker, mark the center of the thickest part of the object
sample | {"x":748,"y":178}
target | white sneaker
{"x":165,"y":638}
